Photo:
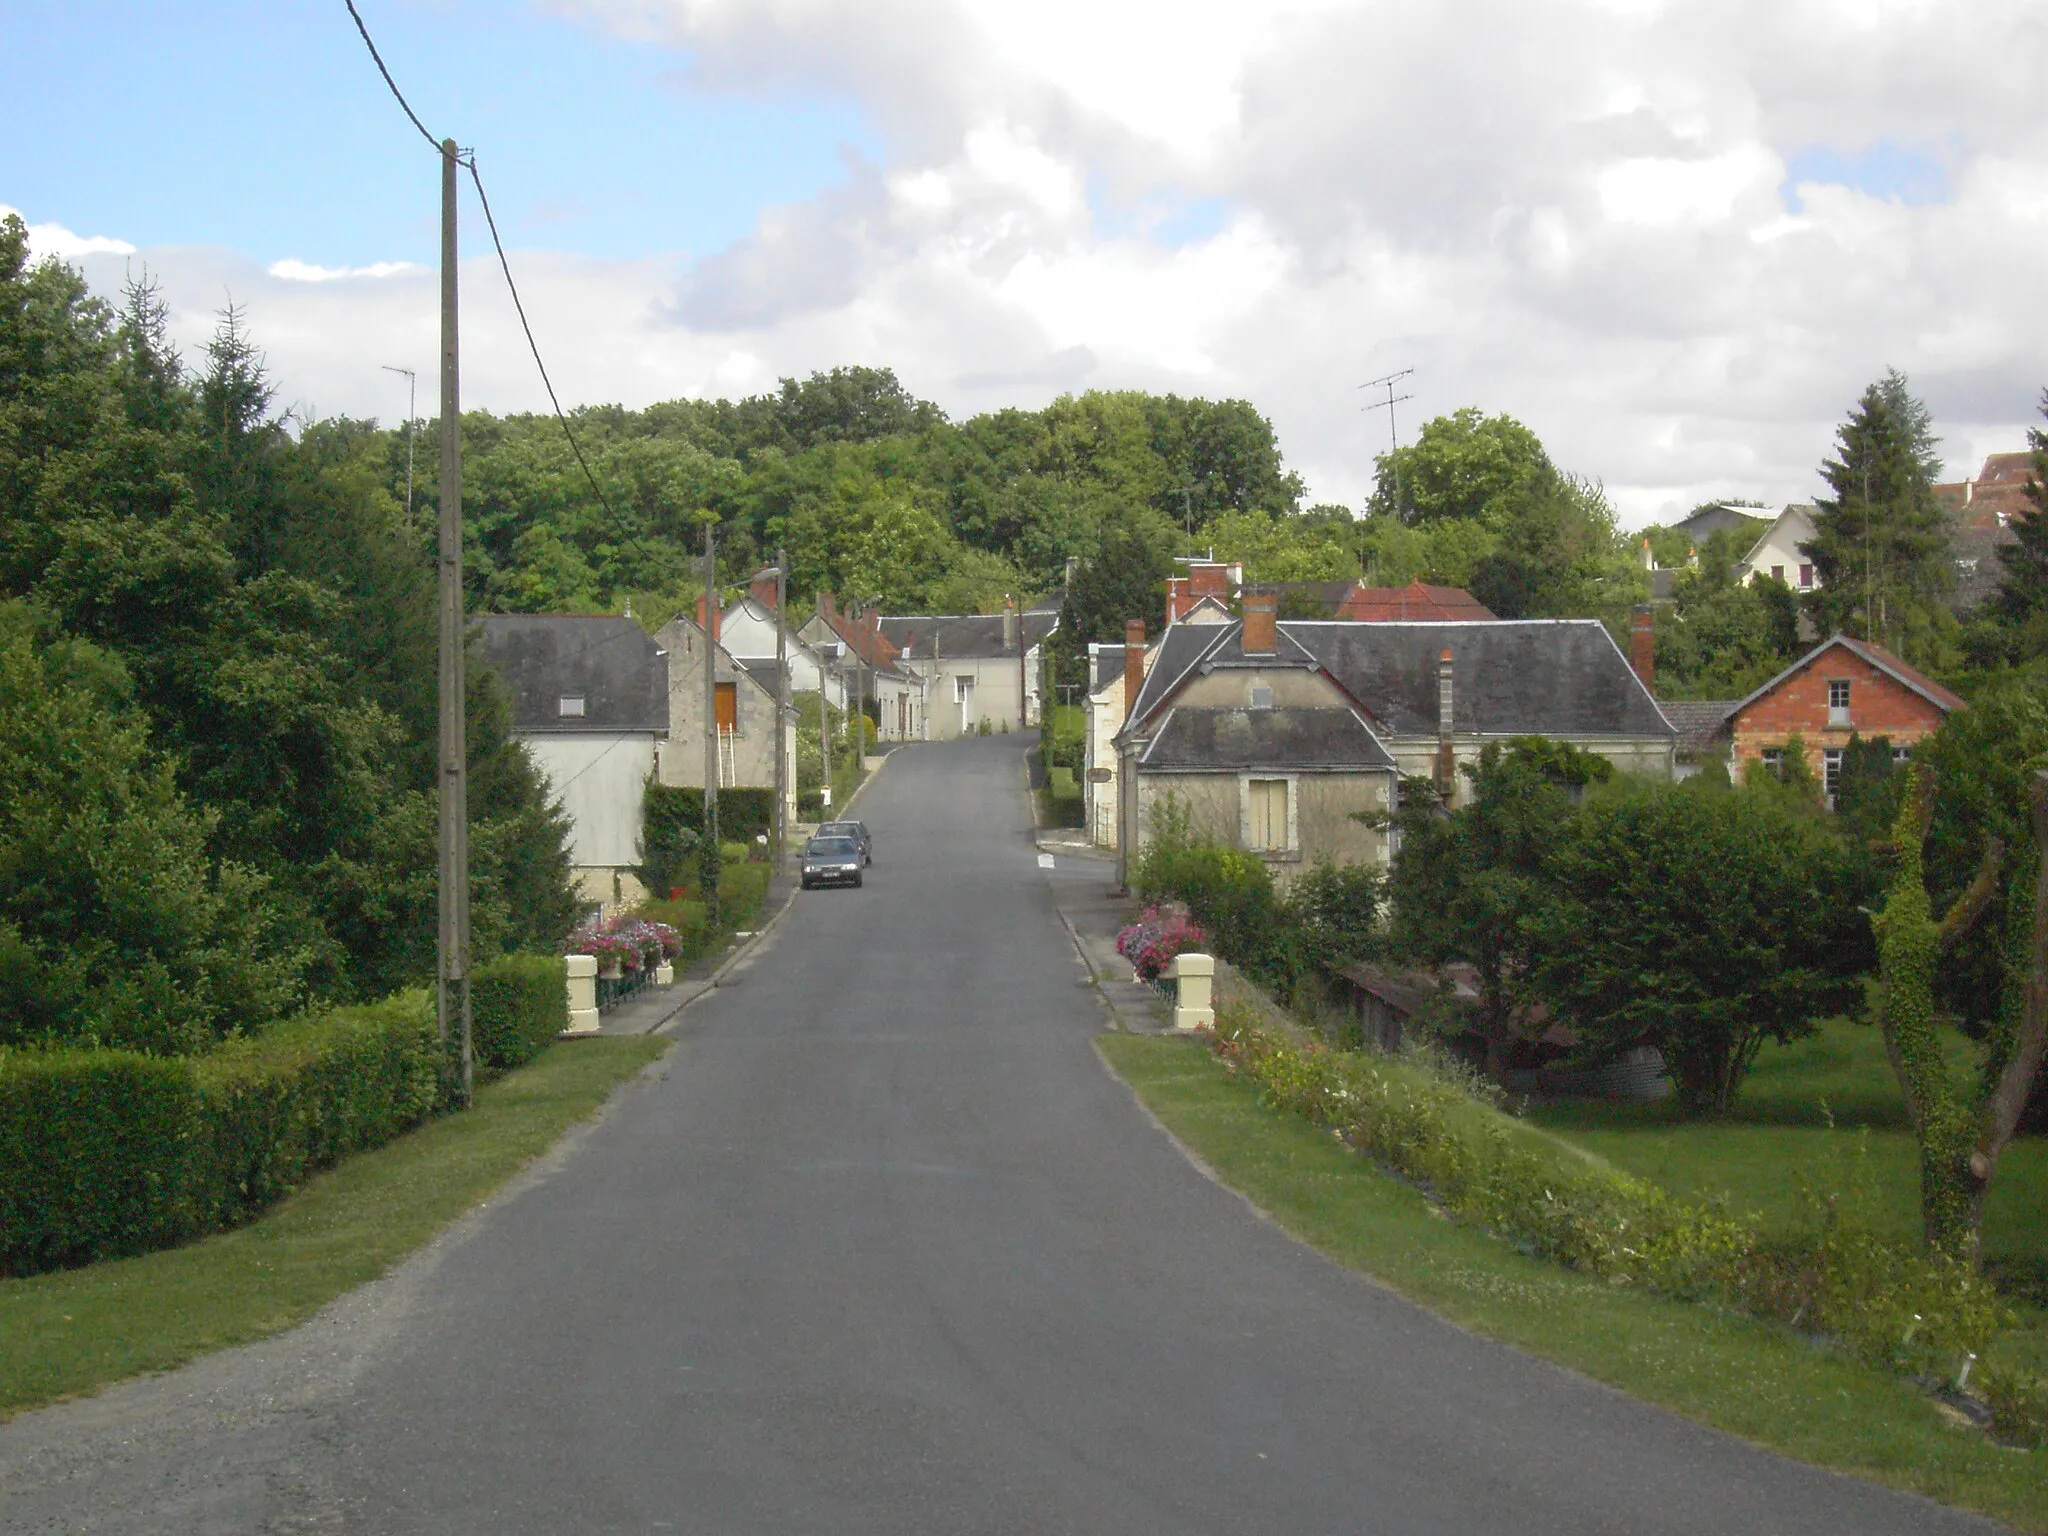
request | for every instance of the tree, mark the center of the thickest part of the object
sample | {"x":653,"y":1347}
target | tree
{"x":1722,"y":638}
{"x":1880,"y":539}
{"x":1464,"y":465}
{"x":1962,"y":1127}
{"x":1126,"y":579}
{"x":2021,"y":600}
{"x":1273,"y":549}
{"x":1701,"y":922}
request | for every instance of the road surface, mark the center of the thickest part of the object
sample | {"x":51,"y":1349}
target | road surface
{"x":887,"y":1250}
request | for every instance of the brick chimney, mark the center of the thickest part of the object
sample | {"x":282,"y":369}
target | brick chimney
{"x":1261,"y":624}
{"x":1134,"y":662}
{"x":1446,"y":716}
{"x":1642,"y":646}
{"x":1177,"y":600}
{"x":763,"y":587}
{"x":710,"y":625}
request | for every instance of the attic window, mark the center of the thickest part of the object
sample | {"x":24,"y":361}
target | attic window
{"x":1262,"y":696}
{"x":570,"y":706}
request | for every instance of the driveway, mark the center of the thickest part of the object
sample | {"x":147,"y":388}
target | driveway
{"x":885,"y":1249}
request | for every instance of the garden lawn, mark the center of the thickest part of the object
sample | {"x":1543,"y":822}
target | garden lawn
{"x":78,"y":1330}
{"x":1763,"y":1383}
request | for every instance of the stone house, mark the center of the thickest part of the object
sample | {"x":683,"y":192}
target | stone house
{"x":747,"y":631}
{"x":745,"y":704}
{"x":892,"y":696}
{"x":590,"y":703}
{"x":973,"y":667}
{"x":1425,"y":699}
{"x":1841,"y":688}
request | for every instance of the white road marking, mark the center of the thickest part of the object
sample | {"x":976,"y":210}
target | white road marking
{"x":1045,"y":861}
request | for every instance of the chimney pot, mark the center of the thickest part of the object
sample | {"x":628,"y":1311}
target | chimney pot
{"x":1261,"y":624}
{"x":1642,"y":646}
{"x":1446,"y":716}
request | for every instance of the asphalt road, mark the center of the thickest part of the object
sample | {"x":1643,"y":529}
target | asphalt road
{"x":887,"y":1250}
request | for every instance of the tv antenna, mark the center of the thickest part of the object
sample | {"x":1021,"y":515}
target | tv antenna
{"x":1389,"y":382}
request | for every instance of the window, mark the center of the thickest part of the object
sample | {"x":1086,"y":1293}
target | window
{"x":570,"y":704}
{"x":1838,"y":702}
{"x":1267,"y":828}
{"x":1777,"y":573}
{"x":1806,"y":578}
{"x":1831,"y":772}
{"x":963,"y":690}
{"x":1262,"y":696}
{"x":1902,"y":754}
{"x":1773,"y":759}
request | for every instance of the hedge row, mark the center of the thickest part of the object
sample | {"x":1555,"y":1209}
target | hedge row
{"x":111,"y":1152}
{"x":1923,"y":1316}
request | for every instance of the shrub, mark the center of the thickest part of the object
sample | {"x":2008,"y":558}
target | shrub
{"x":746,"y":887}
{"x":517,"y":1005}
{"x":672,"y":829}
{"x":109,"y":1152}
{"x":1157,"y":938}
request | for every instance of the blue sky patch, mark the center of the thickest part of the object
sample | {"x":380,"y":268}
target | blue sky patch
{"x":1882,"y":169}
{"x":1165,"y":215}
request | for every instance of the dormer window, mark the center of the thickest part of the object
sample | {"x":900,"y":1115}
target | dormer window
{"x":570,"y":706}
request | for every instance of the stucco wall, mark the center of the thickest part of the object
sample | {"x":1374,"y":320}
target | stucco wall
{"x":599,"y":781}
{"x":1105,"y":717}
{"x":1323,"y":804}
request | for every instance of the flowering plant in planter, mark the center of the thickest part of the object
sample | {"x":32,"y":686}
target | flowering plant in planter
{"x":1159,"y":934}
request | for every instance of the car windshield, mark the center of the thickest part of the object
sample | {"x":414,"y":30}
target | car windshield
{"x":850,"y":829}
{"x":829,"y":847}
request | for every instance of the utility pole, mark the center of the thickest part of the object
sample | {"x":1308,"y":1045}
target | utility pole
{"x":825,"y":654}
{"x":781,"y":707}
{"x":711,"y":857}
{"x":1387,"y":382}
{"x":412,"y":390}
{"x":452,"y":991}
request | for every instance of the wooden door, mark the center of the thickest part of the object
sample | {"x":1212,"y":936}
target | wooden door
{"x":728,"y":708}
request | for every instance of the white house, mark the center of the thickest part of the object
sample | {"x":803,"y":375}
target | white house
{"x":1777,"y":553}
{"x":975,"y":667}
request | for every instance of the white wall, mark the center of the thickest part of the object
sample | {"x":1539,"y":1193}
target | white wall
{"x":599,"y":780}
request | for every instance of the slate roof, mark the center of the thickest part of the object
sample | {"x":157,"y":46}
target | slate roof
{"x":1701,"y":723}
{"x":612,"y":664}
{"x":1203,"y":740}
{"x":1108,"y":664}
{"x":1879,"y":658}
{"x":961,"y":636}
{"x":1708,"y":521}
{"x":1509,"y":677}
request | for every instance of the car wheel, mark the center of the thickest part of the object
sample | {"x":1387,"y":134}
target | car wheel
{"x":856,"y":882}
{"x":806,"y":884}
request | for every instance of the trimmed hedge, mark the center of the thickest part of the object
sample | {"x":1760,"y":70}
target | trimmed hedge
{"x":517,"y":1004}
{"x":109,"y":1152}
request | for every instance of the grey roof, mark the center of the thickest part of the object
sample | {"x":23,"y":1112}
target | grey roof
{"x":612,"y":664}
{"x":1700,"y":723}
{"x":1107,"y":662}
{"x":1180,"y":650}
{"x":968,"y":636}
{"x":1708,"y":521}
{"x":1978,"y":568}
{"x":1509,"y":677}
{"x":1203,"y":740}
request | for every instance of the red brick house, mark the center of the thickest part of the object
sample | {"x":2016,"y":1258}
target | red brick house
{"x":1841,"y":688}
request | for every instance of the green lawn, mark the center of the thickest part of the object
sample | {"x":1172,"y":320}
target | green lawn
{"x":1753,"y":1380}
{"x":1778,"y":1145}
{"x":79,"y":1330}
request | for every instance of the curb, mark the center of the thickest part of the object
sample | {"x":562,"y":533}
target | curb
{"x":745,"y":948}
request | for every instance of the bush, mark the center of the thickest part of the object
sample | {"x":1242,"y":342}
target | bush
{"x":95,"y":1148}
{"x":517,"y":1005}
{"x":745,"y":888}
{"x":110,"y":1152}
{"x":672,"y":829}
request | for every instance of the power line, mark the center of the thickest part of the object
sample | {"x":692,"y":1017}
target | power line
{"x":395,"y":91}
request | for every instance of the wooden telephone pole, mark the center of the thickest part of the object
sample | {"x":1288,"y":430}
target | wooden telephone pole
{"x":711,"y":857}
{"x":451,"y":993}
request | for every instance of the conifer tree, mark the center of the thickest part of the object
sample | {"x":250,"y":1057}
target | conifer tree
{"x":2022,"y":595}
{"x":1880,"y":538}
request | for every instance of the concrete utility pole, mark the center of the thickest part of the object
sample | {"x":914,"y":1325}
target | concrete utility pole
{"x":711,"y":713}
{"x":412,"y":411}
{"x":451,"y":995}
{"x":825,"y":651}
{"x":781,"y":706}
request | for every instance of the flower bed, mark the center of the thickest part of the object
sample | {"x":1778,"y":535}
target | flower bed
{"x":1157,"y":937}
{"x":629,"y":943}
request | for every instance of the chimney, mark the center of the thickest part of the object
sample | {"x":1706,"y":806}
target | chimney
{"x":763,"y":587}
{"x":1649,"y":560}
{"x":1009,"y":626}
{"x":1446,"y":757}
{"x":1134,"y":662}
{"x":708,"y":616}
{"x":1642,"y":646}
{"x":1261,"y":633}
{"x":1176,"y":597}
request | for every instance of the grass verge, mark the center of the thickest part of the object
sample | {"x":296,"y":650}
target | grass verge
{"x":1764,"y":1384}
{"x":79,"y":1330}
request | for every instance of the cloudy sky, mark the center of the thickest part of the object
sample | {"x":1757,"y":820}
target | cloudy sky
{"x":1676,"y":239}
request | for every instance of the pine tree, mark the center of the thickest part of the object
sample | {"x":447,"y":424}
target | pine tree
{"x":1880,"y":540}
{"x":2022,"y":595}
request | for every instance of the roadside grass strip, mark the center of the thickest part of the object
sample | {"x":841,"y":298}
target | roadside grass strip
{"x":1766,"y":1383}
{"x":75,"y":1331}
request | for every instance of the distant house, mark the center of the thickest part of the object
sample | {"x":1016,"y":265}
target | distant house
{"x":1110,"y":670}
{"x":1840,"y":689}
{"x":1703,"y":734}
{"x":1981,"y":513}
{"x":1416,"y":603}
{"x":747,"y":630}
{"x":894,"y":697}
{"x":973,"y":667}
{"x":745,"y":706}
{"x":1315,"y":720}
{"x":1777,"y":554}
{"x":590,"y":702}
{"x":1217,"y":580}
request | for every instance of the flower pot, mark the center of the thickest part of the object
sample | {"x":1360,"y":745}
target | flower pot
{"x":610,"y":969}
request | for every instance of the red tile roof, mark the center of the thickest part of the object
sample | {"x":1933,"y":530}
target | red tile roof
{"x":1415,"y":602}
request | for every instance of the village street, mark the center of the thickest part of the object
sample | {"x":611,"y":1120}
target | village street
{"x":884,"y":1248}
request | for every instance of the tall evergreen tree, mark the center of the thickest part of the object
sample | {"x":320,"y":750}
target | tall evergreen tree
{"x":2022,"y":596}
{"x":1881,"y":537}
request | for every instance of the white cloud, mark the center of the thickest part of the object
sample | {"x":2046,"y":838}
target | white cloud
{"x":46,"y":240}
{"x":1569,"y":212}
{"x":294,"y":271}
